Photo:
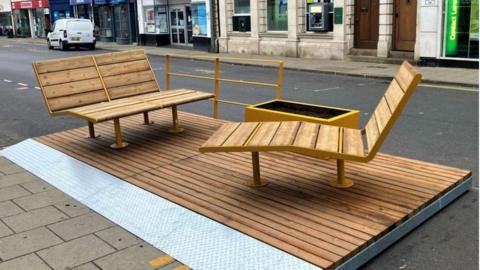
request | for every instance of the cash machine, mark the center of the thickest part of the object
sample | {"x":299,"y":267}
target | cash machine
{"x":319,"y":15}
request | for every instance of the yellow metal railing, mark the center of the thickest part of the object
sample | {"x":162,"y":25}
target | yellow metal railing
{"x":216,"y":77}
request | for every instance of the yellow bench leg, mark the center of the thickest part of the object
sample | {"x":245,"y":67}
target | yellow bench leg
{"x":257,"y":180}
{"x":146,"y":119}
{"x":176,"y":126}
{"x":341,"y":181}
{"x":119,"y":144}
{"x":91,"y":131}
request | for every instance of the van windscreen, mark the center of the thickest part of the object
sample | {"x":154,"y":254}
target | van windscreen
{"x":79,"y":26}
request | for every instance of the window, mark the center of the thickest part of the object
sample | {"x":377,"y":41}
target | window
{"x":241,"y":6}
{"x":241,"y":17}
{"x":277,"y":15}
{"x":199,"y":19}
{"x":461,"y":29}
{"x":155,"y":19}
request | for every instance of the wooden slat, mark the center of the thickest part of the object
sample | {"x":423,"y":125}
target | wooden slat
{"x":221,"y":135}
{"x":119,"y":57}
{"x":130,"y":78}
{"x":120,"y":111}
{"x":180,"y":99}
{"x":328,"y":138}
{"x":307,"y":135}
{"x":66,"y":76}
{"x":241,"y":134}
{"x":285,"y":134}
{"x":352,"y":142}
{"x":123,"y":68}
{"x":405,"y":76}
{"x":151,"y":97}
{"x":382,"y":114}
{"x":78,"y":87}
{"x":372,"y":132}
{"x":64,"y":64}
{"x":133,"y":89}
{"x":394,"y":95}
{"x":72,"y":101}
{"x":264,"y":134}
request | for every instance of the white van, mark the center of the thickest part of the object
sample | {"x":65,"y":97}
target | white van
{"x":68,"y":33}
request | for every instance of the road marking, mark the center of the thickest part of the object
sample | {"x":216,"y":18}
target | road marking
{"x":23,"y":88}
{"x":5,"y":80}
{"x":326,"y":89}
{"x":450,"y":87}
{"x":22,"y":84}
{"x":36,"y":87}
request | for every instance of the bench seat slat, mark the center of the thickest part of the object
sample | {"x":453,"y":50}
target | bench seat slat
{"x":285,"y":134}
{"x":123,"y":68}
{"x":61,"y":103}
{"x":352,"y":142}
{"x":119,"y":57}
{"x":264,"y":134}
{"x":66,"y":76}
{"x":127,"y":79}
{"x":382,"y":114}
{"x":141,"y":88}
{"x":328,"y":138}
{"x":221,"y":135}
{"x":240,"y":136}
{"x":64,"y":64}
{"x":71,"y":88}
{"x":307,"y":135}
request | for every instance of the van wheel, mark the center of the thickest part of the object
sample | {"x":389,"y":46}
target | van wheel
{"x":63,"y":46}
{"x":50,"y":47}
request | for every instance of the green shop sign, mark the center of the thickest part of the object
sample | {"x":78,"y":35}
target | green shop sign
{"x":451,"y":37}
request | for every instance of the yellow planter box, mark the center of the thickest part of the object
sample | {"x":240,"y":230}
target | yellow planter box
{"x":283,"y":110}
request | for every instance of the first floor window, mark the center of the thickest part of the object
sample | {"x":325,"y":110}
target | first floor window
{"x":241,"y":6}
{"x":277,"y":15}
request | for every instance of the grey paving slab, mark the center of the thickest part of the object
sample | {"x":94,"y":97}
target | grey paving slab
{"x":4,"y":230}
{"x":87,"y":266}
{"x":37,"y":186}
{"x":27,"y":242}
{"x":118,"y":237}
{"x":10,"y":169}
{"x":72,"y":208}
{"x":79,"y":226}
{"x":42,"y":199}
{"x":136,"y":257}
{"x":12,"y":192}
{"x":16,"y":178}
{"x":8,"y":208}
{"x":75,"y":252}
{"x":27,"y":262}
{"x":35,"y":218}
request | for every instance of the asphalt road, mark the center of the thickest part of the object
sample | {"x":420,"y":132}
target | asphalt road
{"x":439,"y":125}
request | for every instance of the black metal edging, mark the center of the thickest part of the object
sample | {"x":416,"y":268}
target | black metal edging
{"x":390,"y":238}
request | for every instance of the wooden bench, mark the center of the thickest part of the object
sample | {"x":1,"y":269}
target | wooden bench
{"x":322,"y":141}
{"x":107,"y":87}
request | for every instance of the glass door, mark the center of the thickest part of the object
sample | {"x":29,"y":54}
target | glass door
{"x":177,"y":26}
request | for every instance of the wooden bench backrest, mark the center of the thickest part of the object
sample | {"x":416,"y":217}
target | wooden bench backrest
{"x":126,"y":73}
{"x":391,"y":105}
{"x":69,"y":83}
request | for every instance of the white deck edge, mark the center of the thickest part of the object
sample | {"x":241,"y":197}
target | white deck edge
{"x":193,"y":239}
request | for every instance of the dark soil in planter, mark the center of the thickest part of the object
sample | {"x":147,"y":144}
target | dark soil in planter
{"x":313,"y":111}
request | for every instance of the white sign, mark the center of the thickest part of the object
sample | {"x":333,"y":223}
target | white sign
{"x":5,"y":6}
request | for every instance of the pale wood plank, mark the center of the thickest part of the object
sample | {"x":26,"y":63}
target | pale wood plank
{"x":221,"y":135}
{"x":405,"y":76}
{"x":123,"y":68}
{"x":328,"y":138}
{"x":64,"y":64}
{"x":372,"y":132}
{"x":133,"y":89}
{"x":382,"y":114}
{"x":118,"y":57}
{"x":307,"y":135}
{"x":78,"y":87}
{"x":352,"y":142}
{"x":66,"y":76}
{"x":394,"y":95}
{"x":264,"y":134}
{"x":241,"y":134}
{"x":130,"y":78}
{"x":285,"y":134}
{"x":62,"y":103}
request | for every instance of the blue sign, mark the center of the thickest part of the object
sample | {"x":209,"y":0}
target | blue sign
{"x":79,"y":2}
{"x":102,"y":2}
{"x":118,"y":2}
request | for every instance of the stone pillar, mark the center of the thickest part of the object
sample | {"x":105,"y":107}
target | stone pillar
{"x":292,"y":40}
{"x":348,"y":23}
{"x":385,"y":29}
{"x":223,"y":39}
{"x":254,"y":42}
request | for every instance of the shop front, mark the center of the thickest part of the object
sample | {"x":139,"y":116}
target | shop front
{"x":180,"y":23}
{"x":31,"y":18}
{"x":449,"y":33}
{"x":5,"y":16}
{"x":116,"y":21}
{"x":82,"y":9}
{"x":60,"y":9}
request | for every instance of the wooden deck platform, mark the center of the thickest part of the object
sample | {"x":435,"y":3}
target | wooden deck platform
{"x":298,"y":212}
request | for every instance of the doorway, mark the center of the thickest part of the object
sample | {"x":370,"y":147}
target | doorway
{"x":181,"y":25}
{"x":366,"y":24}
{"x":405,"y":25}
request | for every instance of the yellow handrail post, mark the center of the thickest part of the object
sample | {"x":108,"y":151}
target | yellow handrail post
{"x":216,"y":85}
{"x":167,"y":72}
{"x":280,"y":80}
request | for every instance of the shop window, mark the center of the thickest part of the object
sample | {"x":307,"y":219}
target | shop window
{"x":199,"y":19}
{"x":161,"y":22}
{"x":149,"y":19}
{"x":277,"y":15}
{"x":241,"y":16}
{"x":461,"y":29}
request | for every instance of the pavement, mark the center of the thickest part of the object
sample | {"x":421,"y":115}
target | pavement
{"x":439,"y":125}
{"x":41,"y":228}
{"x":431,"y":75}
